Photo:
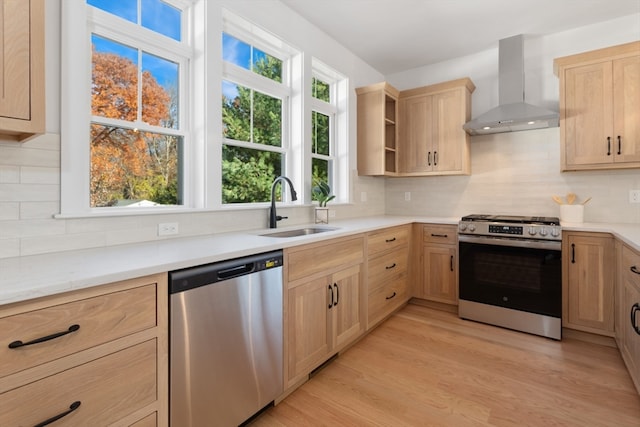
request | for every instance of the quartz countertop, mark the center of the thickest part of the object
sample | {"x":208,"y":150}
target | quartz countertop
{"x":29,"y":277}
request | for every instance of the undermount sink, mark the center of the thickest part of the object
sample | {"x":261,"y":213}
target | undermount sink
{"x":299,"y":232}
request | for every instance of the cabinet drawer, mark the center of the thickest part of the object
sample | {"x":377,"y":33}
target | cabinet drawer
{"x":385,"y":267}
{"x":385,"y":299}
{"x":387,"y":239}
{"x":631,"y":258}
{"x":148,"y":421}
{"x":100,"y":319}
{"x":445,"y":234}
{"x":323,"y":257}
{"x":108,"y":389}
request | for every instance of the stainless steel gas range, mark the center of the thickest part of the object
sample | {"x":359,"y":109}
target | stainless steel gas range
{"x":510,"y":272}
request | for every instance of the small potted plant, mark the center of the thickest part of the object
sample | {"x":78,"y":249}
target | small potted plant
{"x":322,"y":193}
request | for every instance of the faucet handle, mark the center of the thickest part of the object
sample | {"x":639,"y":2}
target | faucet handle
{"x":278,"y":217}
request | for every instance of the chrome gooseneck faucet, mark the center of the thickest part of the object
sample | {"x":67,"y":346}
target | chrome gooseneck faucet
{"x":273,"y":217}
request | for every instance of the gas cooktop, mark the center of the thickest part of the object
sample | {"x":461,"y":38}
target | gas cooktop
{"x":514,"y":219}
{"x":511,"y":226}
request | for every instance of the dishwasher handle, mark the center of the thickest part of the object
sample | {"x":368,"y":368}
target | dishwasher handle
{"x":236,"y":271}
{"x":202,"y":275}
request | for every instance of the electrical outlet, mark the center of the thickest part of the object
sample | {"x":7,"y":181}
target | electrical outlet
{"x":634,"y":196}
{"x":167,"y":228}
{"x":407,"y":196}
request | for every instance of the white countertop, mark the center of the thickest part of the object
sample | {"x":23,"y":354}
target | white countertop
{"x":35,"y":276}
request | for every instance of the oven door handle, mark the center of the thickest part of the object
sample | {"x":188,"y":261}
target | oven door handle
{"x":498,"y":241}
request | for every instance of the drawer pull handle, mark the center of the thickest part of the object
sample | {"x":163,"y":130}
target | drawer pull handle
{"x":389,"y":267}
{"x":75,"y":405}
{"x":331,"y":292}
{"x":619,"y":145}
{"x":635,"y":308}
{"x":390,"y":240}
{"x":634,"y":269}
{"x":335,"y":286}
{"x":439,"y":235}
{"x":18,"y":344}
{"x":392,"y":295}
{"x":608,"y":146}
{"x":573,"y":253}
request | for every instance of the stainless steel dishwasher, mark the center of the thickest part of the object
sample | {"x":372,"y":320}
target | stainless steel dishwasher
{"x":225,"y":340}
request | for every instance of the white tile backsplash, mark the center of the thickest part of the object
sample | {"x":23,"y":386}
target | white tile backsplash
{"x":517,"y":173}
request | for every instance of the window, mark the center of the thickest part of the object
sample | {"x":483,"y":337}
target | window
{"x":141,"y":132}
{"x":254,"y":105}
{"x":327,"y":88}
{"x":136,"y":134}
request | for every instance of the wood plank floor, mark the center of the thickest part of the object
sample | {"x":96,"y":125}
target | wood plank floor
{"x":424,"y":367}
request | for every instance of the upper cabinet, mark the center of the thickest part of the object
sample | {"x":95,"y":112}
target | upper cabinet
{"x":21,"y":69}
{"x":377,"y":129}
{"x":600,"y":108}
{"x":415,"y":132}
{"x":432,"y":141}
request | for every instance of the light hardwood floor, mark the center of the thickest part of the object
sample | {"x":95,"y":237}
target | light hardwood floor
{"x":424,"y":367}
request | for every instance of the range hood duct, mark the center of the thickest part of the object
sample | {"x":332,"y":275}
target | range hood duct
{"x":512,"y":114}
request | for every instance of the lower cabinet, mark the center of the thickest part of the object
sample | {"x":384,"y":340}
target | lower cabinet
{"x":628,"y":311}
{"x":97,"y":356}
{"x":324,"y":307}
{"x":438,"y":258}
{"x":588,"y":282}
{"x":387,"y":272}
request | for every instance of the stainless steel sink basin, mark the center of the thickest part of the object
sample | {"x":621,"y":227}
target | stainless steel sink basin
{"x":299,"y":232}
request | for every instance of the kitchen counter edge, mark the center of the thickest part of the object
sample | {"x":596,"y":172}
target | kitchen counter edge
{"x":35,"y":276}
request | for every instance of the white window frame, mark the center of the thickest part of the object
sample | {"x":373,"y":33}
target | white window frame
{"x":336,"y":109}
{"x":246,"y":32}
{"x":78,"y":23}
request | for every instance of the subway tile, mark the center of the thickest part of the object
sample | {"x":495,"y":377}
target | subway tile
{"x":9,"y":211}
{"x":39,"y":175}
{"x":29,"y":193}
{"x":9,"y":174}
{"x":38,"y":210}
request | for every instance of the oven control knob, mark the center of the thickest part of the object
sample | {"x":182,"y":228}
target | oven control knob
{"x":472,"y":227}
{"x":555,"y":232}
{"x":532,"y":230}
{"x":463,"y":227}
{"x":543,"y":231}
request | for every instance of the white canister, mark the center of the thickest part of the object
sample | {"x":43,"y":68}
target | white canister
{"x":572,"y":213}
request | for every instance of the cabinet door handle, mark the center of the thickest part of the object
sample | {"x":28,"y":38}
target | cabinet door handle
{"x":75,"y":405}
{"x":429,"y":159}
{"x":392,"y":295}
{"x":619,"y":145}
{"x":335,"y":285}
{"x":439,"y":235}
{"x":634,"y":309}
{"x":451,"y":263}
{"x":331,"y":293}
{"x":390,"y":240}
{"x":435,"y":158}
{"x":389,"y":267}
{"x":608,"y":146}
{"x":573,"y":253}
{"x":18,"y":344}
{"x":634,"y":269}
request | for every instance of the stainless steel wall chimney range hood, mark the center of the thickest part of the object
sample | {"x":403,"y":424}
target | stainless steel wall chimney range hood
{"x":512,"y":114}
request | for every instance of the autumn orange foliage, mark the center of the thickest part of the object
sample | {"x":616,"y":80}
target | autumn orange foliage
{"x":124,"y":162}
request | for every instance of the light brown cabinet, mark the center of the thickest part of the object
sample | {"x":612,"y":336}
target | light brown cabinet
{"x":437,"y":275}
{"x":99,"y":354}
{"x":628,"y":310}
{"x":588,"y":283}
{"x":22,"y":69}
{"x":387,"y":272}
{"x":324,"y":303}
{"x":600,"y":108}
{"x":377,"y":130}
{"x":431,"y":138}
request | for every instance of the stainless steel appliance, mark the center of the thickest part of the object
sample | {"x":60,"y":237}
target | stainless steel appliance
{"x":510,"y":272}
{"x":225,"y":340}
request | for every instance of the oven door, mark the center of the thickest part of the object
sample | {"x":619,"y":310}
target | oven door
{"x":523,"y":275}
